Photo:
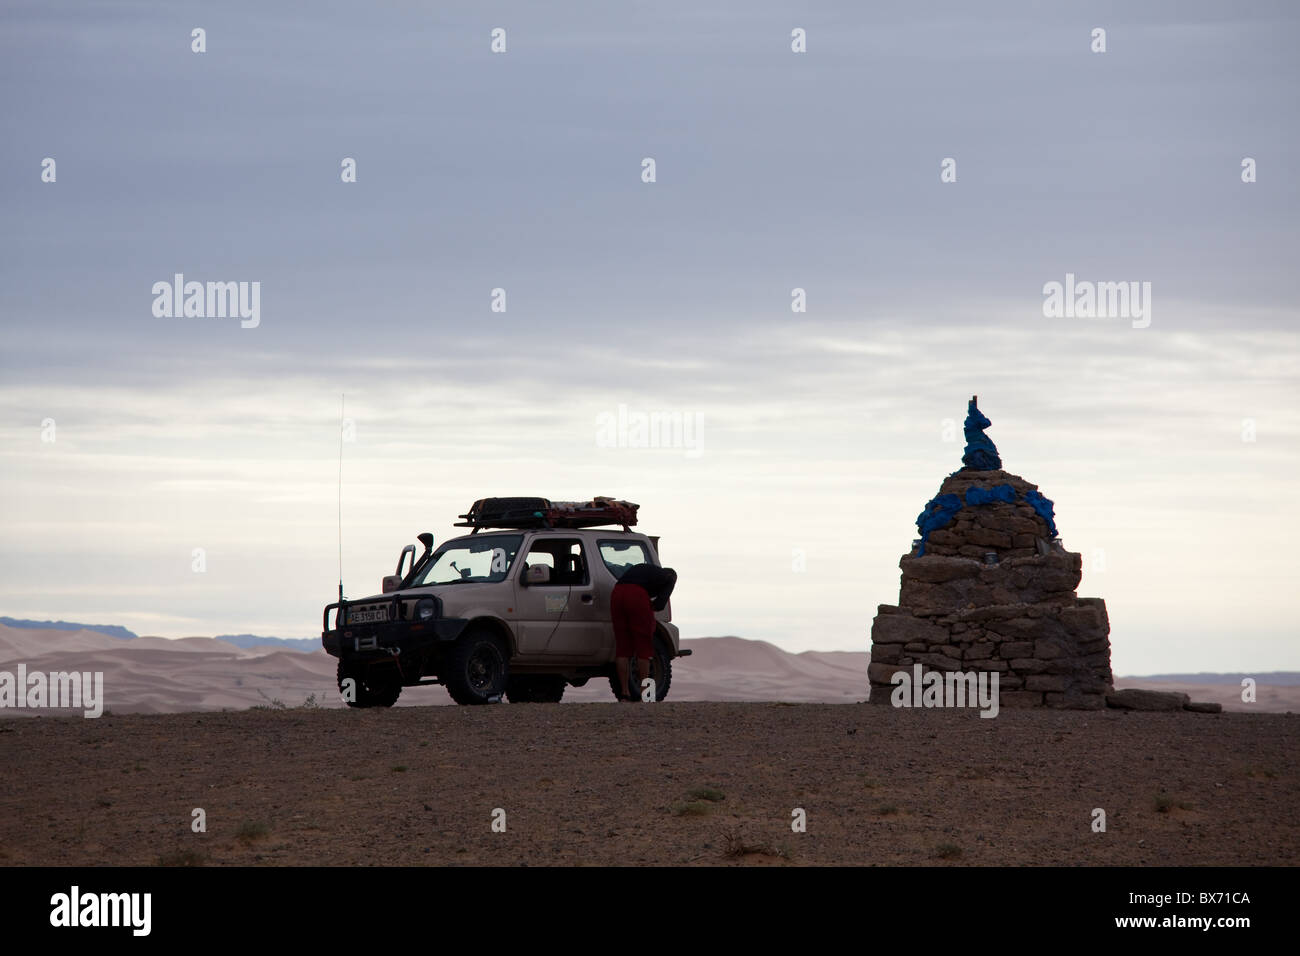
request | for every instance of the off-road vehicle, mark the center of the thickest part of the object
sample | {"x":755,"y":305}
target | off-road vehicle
{"x":519,"y":608}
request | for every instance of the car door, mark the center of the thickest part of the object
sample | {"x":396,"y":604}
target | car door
{"x":559,"y":621}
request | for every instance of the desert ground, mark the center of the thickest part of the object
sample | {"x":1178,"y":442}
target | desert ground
{"x":704,"y":783}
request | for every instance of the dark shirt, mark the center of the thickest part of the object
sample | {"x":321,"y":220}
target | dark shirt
{"x":656,"y":581}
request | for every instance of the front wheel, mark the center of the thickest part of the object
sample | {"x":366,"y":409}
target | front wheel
{"x":476,"y":669}
{"x":367,"y":686}
{"x":661,"y":670}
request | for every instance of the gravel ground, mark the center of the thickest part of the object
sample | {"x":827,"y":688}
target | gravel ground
{"x":669,"y":783}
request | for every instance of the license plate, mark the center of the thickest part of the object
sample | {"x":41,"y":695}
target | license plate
{"x":367,"y":615}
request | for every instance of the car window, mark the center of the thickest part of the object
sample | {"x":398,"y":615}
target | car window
{"x":621,"y":555}
{"x":564,"y":556}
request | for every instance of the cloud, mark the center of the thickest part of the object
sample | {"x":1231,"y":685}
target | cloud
{"x":822,"y":430}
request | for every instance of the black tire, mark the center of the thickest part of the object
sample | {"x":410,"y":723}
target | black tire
{"x":373,"y":688}
{"x":535,"y":689}
{"x":476,"y":669}
{"x":661,"y":668}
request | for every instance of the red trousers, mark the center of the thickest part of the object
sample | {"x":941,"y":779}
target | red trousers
{"x":634,"y":621}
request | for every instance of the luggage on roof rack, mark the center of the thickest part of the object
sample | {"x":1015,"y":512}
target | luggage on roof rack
{"x":522,"y":513}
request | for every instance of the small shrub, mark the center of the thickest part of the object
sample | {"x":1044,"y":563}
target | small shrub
{"x":272,"y":703}
{"x":187,"y":857}
{"x":712,"y":794}
{"x":734,"y":844}
{"x":251,"y":830}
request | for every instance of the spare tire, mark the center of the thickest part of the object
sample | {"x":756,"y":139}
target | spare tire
{"x":661,"y":668}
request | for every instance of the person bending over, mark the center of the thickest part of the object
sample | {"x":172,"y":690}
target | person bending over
{"x":642,"y":590}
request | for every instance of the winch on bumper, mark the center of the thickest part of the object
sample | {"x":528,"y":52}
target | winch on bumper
{"x":389,"y":627}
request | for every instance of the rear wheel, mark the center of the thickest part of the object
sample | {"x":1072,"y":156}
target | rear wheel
{"x":475,"y":670}
{"x":363,"y":686}
{"x":661,"y":670}
{"x":535,"y":689}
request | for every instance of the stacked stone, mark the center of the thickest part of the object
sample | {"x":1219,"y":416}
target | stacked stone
{"x":1011,"y":530}
{"x":992,"y":590}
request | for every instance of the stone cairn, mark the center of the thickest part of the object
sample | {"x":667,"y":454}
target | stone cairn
{"x":989,"y":587}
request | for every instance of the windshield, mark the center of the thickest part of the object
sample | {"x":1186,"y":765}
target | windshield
{"x":478,"y":558}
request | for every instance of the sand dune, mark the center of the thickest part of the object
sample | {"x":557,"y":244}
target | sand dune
{"x":735,"y":669}
{"x":157,"y":675}
{"x":18,"y":644}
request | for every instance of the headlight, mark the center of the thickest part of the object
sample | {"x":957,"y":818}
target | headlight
{"x":425,"y":608}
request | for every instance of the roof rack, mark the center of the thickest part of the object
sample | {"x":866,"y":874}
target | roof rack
{"x":524,"y":513}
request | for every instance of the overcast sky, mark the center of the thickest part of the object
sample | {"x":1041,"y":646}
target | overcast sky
{"x":820,"y":431}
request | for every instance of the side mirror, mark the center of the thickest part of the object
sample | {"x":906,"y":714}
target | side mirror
{"x":537,"y":574}
{"x":392,"y":582}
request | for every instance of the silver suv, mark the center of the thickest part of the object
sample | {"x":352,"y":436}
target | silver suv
{"x":519,"y":608}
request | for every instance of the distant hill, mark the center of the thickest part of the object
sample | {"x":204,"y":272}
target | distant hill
{"x":112,"y":630}
{"x":303,"y":644}
{"x":1277,"y":678}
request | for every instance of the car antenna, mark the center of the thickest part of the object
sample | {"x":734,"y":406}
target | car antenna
{"x":342,"y":421}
